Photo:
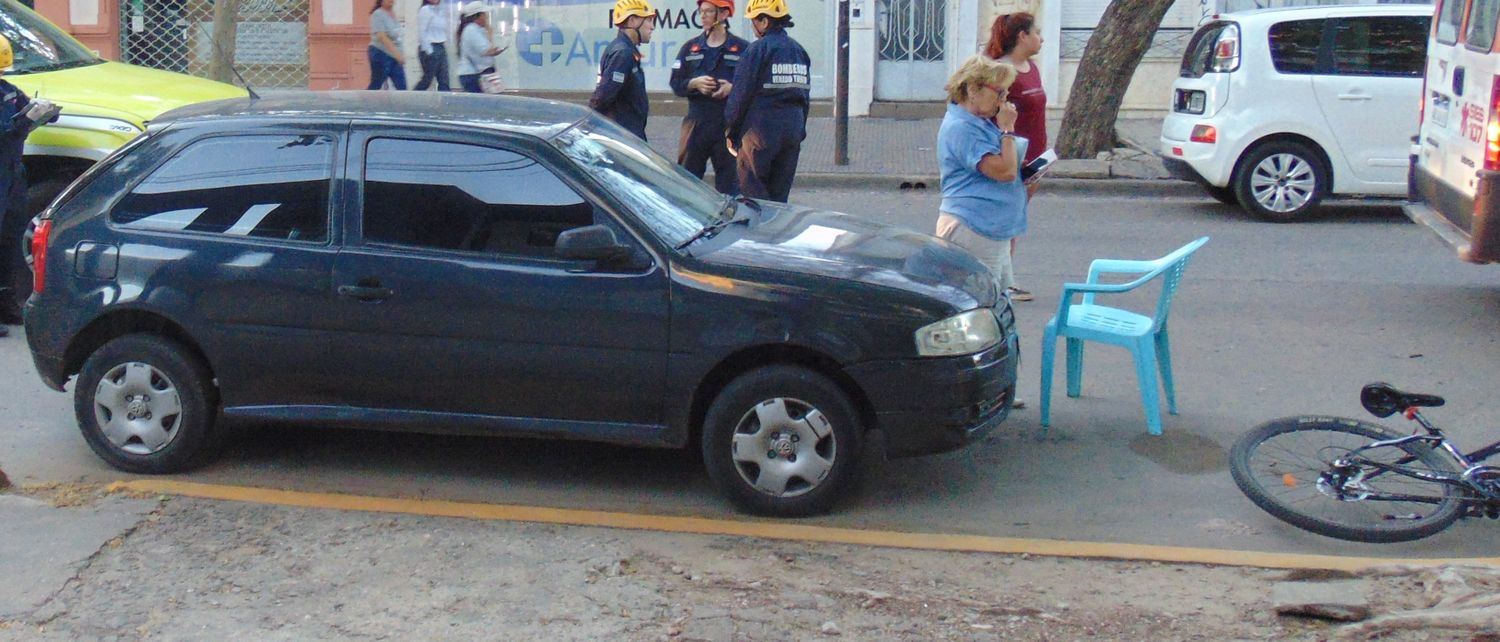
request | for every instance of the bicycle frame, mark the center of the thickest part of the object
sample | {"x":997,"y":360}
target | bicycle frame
{"x":1468,"y":462}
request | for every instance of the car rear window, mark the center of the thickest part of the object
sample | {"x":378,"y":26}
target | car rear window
{"x":1200,"y":50}
{"x":1482,"y":16}
{"x":261,"y":186}
{"x":1294,"y":45}
{"x":1381,"y":46}
{"x":1449,"y":17}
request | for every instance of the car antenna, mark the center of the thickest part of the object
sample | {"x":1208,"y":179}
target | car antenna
{"x":220,"y":52}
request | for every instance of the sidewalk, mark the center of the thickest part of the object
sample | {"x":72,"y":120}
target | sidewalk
{"x":886,"y":148}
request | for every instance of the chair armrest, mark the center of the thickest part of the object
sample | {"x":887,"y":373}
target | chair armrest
{"x":1115,"y":266}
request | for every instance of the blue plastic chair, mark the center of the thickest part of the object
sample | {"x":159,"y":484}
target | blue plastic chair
{"x":1146,"y":337}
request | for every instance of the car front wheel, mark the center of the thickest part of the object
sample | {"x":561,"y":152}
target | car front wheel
{"x":782,"y":441}
{"x":146,"y":404}
{"x":1281,"y":181}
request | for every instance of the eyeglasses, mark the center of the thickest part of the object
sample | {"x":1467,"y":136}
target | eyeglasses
{"x":996,"y":88}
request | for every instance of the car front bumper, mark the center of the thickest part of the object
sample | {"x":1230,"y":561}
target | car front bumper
{"x":934,"y":405}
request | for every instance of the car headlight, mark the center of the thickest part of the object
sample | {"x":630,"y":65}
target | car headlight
{"x":966,"y":333}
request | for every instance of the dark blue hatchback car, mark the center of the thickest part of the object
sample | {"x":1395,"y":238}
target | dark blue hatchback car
{"x":475,"y":264}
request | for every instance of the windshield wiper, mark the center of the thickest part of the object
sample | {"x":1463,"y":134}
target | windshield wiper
{"x":727,"y":215}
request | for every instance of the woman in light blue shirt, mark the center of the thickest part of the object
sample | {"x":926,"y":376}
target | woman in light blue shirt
{"x":984,"y":200}
{"x":386,"y":60}
{"x":476,"y":54}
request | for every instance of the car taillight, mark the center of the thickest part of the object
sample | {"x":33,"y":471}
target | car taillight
{"x":1226,"y":50}
{"x":1492,"y":129}
{"x":1422,"y":103}
{"x":39,"y":254}
{"x":1204,"y":134}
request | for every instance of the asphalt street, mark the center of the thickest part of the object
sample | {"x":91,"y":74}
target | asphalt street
{"x":1271,"y":320}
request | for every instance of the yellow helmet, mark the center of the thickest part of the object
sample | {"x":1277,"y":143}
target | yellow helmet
{"x":770,"y":8}
{"x":7,"y":57}
{"x":627,"y":8}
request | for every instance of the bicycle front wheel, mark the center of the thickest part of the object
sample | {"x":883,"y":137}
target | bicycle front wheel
{"x":1286,"y":467}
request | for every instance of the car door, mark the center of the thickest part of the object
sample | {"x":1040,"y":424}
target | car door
{"x":1369,"y":90}
{"x":233,"y":231}
{"x":455,"y":301}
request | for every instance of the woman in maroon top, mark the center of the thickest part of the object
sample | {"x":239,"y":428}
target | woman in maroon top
{"x":1015,"y":38}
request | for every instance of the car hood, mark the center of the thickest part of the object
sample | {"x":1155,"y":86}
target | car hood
{"x":117,"y":90}
{"x":840,"y":246}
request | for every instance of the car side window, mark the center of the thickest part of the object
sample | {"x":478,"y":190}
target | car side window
{"x":1381,"y":46}
{"x":1449,"y":17}
{"x":1295,"y":44}
{"x":468,"y":198}
{"x":1481,"y":31}
{"x":259,"y":186}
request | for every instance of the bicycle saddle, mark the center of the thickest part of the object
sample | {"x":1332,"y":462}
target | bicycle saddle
{"x":1383,"y":399}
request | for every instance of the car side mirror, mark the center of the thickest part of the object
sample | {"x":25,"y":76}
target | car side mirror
{"x":590,"y":243}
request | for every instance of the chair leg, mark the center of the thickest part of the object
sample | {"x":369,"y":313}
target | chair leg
{"x":1075,"y":367}
{"x":1049,"y":348}
{"x":1164,"y":362}
{"x":1145,"y":372}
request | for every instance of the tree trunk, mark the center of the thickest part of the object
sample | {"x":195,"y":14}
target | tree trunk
{"x":1109,"y":61}
{"x":226,"y":19}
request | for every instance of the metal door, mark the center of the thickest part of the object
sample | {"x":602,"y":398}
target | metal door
{"x":913,"y":41}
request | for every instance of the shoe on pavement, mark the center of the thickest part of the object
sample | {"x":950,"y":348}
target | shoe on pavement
{"x":1018,"y":403}
{"x":4,"y":330}
{"x":1017,"y":294}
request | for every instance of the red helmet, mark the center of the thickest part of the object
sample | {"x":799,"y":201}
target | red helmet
{"x":722,"y":4}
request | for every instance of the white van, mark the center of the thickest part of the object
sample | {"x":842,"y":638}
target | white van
{"x":1455,"y":174}
{"x":1275,"y":109}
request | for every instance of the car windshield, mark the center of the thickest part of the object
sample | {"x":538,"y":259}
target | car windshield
{"x":665,"y":197}
{"x":37,"y":45}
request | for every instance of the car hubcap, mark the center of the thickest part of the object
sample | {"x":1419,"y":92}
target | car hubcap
{"x":137,"y":408}
{"x":784,"y":447}
{"x":1282,"y":182}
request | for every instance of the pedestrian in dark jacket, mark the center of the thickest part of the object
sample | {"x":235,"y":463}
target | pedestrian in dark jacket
{"x":18,"y":116}
{"x":704,"y":74}
{"x":766,"y":114}
{"x":621,"y":92}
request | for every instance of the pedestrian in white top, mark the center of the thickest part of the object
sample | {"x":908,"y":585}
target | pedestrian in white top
{"x":476,"y":52}
{"x":432,"y":45}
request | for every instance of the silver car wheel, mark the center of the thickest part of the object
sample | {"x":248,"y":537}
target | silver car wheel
{"x":137,"y":408}
{"x":784,"y":447}
{"x":1283,"y":182}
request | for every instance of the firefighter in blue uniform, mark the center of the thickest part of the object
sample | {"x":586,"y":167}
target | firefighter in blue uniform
{"x":703,"y":74}
{"x":621,"y":92}
{"x":766,"y":114}
{"x":18,"y":116}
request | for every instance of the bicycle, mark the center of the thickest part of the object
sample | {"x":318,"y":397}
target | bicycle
{"x":1360,"y":481}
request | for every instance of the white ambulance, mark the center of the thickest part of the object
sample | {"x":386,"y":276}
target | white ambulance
{"x":1455,"y":174}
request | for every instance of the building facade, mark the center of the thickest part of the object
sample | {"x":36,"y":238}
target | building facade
{"x":901,"y":50}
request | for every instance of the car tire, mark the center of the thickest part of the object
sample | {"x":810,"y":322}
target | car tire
{"x":782,"y":441}
{"x":1281,"y":181}
{"x":15,"y":245}
{"x":146,"y":404}
{"x":1223,"y":195}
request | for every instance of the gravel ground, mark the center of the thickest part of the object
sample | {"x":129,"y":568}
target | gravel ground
{"x":198,"y":569}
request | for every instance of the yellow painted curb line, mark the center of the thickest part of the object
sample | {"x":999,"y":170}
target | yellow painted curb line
{"x":775,"y":530}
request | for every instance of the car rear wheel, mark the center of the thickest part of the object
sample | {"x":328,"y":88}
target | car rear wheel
{"x":1281,"y":181}
{"x":146,"y":404}
{"x":782,"y":441}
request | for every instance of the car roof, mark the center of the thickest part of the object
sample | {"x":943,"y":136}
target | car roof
{"x":542,"y":118}
{"x":1277,"y":14}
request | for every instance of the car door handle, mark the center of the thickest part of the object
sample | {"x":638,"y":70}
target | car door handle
{"x":1355,"y":96}
{"x":365,"y":292}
